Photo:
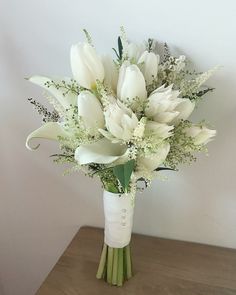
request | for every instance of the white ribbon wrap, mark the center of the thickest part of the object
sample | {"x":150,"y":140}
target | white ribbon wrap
{"x":118,"y":211}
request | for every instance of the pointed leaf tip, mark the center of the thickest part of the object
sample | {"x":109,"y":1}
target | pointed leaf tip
{"x":123,"y":173}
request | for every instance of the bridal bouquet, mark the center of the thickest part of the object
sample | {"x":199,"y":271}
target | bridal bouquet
{"x":123,"y":120}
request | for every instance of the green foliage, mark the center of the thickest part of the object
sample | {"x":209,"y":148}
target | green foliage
{"x":182,"y":147}
{"x":123,"y":173}
{"x":68,"y":87}
{"x":119,"y":54}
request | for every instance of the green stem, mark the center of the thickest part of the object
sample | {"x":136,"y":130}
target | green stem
{"x":102,"y":262}
{"x":109,"y":265}
{"x":120,"y":275}
{"x":115,"y":266}
{"x":128,"y":262}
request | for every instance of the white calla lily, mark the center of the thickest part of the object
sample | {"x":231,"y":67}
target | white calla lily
{"x":64,"y":99}
{"x":102,"y":152}
{"x":131,"y":84}
{"x":201,"y":135}
{"x":90,"y":111}
{"x":164,"y":106}
{"x":148,"y":63}
{"x":153,"y":161}
{"x":111,"y":72}
{"x":120,"y":121}
{"x":86,"y":65}
{"x":50,"y":130}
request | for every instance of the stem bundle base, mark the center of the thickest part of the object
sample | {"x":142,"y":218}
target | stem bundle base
{"x":115,"y":265}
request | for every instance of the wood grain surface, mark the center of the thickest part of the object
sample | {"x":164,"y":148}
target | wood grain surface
{"x":161,"y":267}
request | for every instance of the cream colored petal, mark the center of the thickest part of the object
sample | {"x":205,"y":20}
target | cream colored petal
{"x":90,"y":110}
{"x":165,"y":117}
{"x":185,"y":109}
{"x":50,"y":130}
{"x":101,"y":152}
{"x":65,"y":100}
{"x":153,"y":161}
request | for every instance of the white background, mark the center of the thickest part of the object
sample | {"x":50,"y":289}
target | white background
{"x":40,"y":210}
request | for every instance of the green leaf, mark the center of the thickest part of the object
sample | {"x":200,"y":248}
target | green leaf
{"x":123,"y":173}
{"x":117,"y":55}
{"x":120,"y":47}
{"x":164,"y":168}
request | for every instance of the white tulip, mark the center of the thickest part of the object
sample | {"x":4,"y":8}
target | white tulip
{"x":131,"y":84}
{"x":120,"y":121}
{"x":111,"y":72}
{"x":164,"y":106}
{"x":153,"y":161}
{"x":185,"y":109}
{"x":86,"y":65}
{"x":90,"y":111}
{"x":201,"y":135}
{"x":157,"y":130}
{"x":121,"y":77}
{"x":149,"y":65}
{"x":134,"y":51}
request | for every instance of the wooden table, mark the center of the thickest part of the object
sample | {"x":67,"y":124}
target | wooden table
{"x":161,"y":267}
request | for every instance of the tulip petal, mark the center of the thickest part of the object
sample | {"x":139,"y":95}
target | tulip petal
{"x":133,"y":85}
{"x":65,"y":100}
{"x":149,"y":65}
{"x":79,"y":69}
{"x":153,"y":161}
{"x":111,"y":72}
{"x":185,"y":109}
{"x":90,"y":110}
{"x":101,"y":152}
{"x":86,"y":65}
{"x":165,"y":117}
{"x":50,"y":130}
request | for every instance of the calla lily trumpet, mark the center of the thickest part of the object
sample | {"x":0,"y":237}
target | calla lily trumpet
{"x":65,"y":99}
{"x":101,"y":152}
{"x":50,"y":130}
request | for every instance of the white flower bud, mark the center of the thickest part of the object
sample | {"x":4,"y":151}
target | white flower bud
{"x":86,"y":65}
{"x":149,"y":65}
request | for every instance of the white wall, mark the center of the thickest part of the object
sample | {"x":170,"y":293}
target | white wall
{"x":41,"y":210}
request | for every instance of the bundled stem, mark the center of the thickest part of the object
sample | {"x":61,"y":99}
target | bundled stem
{"x":115,"y":265}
